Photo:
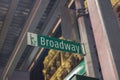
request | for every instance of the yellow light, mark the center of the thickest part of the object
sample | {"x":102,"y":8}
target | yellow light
{"x":114,"y":2}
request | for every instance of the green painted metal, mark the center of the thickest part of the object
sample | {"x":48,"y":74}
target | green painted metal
{"x":79,"y":77}
{"x":79,"y":69}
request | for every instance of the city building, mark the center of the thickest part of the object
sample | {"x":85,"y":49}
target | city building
{"x":79,"y":40}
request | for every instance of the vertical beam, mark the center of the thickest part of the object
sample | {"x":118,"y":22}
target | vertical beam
{"x":91,"y":59}
{"x":7,"y":21}
{"x":107,"y":37}
{"x":69,"y":24}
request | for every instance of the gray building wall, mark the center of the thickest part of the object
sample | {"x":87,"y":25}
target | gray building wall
{"x":18,"y":75}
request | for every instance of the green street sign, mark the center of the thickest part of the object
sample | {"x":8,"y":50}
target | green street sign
{"x":78,"y":70}
{"x":80,"y":77}
{"x":53,"y":43}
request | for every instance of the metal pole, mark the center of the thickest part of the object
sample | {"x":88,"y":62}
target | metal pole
{"x":107,"y":37}
{"x":86,"y":34}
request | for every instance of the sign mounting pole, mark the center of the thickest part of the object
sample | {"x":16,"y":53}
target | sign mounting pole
{"x":107,"y":37}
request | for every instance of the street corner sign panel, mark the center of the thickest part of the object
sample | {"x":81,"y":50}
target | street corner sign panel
{"x":53,"y":43}
{"x":32,"y":39}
